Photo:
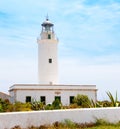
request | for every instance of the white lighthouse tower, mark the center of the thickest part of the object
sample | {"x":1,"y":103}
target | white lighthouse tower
{"x":47,"y":54}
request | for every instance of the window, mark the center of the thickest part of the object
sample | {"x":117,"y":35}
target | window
{"x":58,"y":97}
{"x":50,"y":60}
{"x":71,"y":99}
{"x":28,"y":99}
{"x":49,"y":36}
{"x":42,"y":99}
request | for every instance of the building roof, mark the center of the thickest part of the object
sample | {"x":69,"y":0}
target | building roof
{"x":51,"y":87}
{"x":4,"y":96}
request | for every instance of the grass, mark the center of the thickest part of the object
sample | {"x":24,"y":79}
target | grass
{"x":61,"y":127}
{"x":106,"y":127}
{"x":68,"y":124}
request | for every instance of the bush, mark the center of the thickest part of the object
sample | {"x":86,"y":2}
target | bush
{"x":18,"y":106}
{"x":82,"y":101}
{"x":4,"y":104}
{"x":101,"y":122}
{"x":49,"y":107}
{"x":37,"y":105}
{"x":69,"y":124}
{"x":1,"y":108}
{"x":74,"y":105}
{"x":106,"y":103}
{"x":57,"y":104}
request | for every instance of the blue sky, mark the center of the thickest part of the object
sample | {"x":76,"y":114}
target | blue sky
{"x":89,"y":41}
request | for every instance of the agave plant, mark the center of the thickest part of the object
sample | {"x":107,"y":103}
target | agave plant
{"x":95,"y":104}
{"x":114,"y":101}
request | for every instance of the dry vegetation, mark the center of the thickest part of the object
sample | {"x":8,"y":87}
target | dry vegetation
{"x":67,"y":124}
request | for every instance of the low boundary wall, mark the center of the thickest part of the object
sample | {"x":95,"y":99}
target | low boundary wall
{"x":37,"y":118}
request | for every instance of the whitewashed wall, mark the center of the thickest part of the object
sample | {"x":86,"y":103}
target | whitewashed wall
{"x":18,"y":92}
{"x":37,"y":118}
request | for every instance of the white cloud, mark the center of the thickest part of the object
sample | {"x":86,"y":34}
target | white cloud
{"x":93,"y":27}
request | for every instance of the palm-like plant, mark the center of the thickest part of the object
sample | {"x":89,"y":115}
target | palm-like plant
{"x":95,"y":104}
{"x":114,"y":101}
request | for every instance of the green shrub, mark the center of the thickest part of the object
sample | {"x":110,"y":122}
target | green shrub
{"x":4,"y":105}
{"x":37,"y":105}
{"x":114,"y":100}
{"x":106,"y":103}
{"x":69,"y":124}
{"x":74,"y":105}
{"x":95,"y":104}
{"x":57,"y":104}
{"x":49,"y":107}
{"x":101,"y":122}
{"x":82,"y":101}
{"x":1,"y":108}
{"x":18,"y":106}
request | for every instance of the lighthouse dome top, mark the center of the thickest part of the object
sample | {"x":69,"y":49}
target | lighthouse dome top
{"x":47,"y":23}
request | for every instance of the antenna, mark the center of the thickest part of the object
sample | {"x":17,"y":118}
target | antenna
{"x":47,"y":18}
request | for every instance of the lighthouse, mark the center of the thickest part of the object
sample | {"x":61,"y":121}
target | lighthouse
{"x":48,"y":88}
{"x":47,"y":54}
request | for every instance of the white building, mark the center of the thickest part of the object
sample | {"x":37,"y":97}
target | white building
{"x":48,"y":88}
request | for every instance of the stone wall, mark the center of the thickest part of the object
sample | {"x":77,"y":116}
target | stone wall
{"x":37,"y":118}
